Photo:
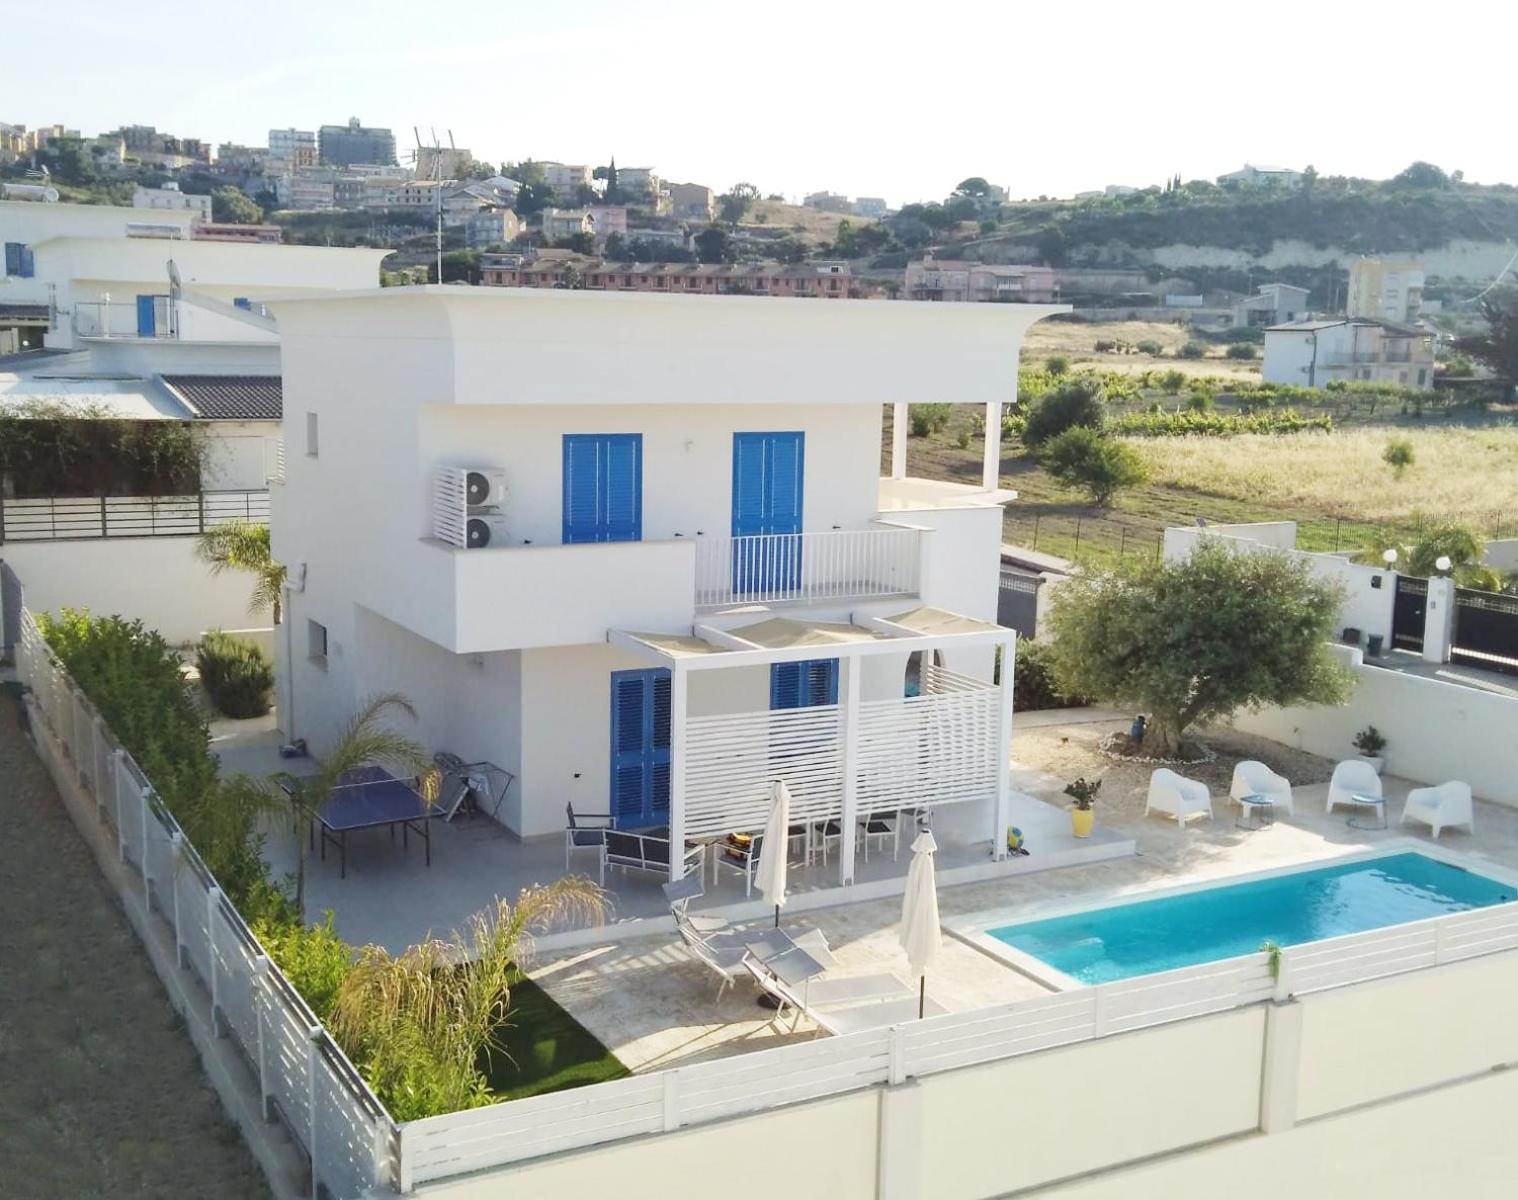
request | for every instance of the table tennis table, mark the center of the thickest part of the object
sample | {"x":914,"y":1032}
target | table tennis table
{"x":368,"y":798}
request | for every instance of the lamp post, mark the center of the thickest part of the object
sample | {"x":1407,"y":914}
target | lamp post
{"x":1443,"y":564}
{"x":1389,"y":556}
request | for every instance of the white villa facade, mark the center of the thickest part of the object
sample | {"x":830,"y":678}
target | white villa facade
{"x":691,"y":550}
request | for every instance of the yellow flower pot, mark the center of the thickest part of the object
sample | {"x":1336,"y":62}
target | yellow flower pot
{"x":1082,"y":820}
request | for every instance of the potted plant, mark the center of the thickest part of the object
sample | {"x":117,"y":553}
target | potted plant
{"x":1370,"y":743}
{"x":1083,"y":813}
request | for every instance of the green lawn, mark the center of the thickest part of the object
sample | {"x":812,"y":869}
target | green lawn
{"x":547,"y":1050}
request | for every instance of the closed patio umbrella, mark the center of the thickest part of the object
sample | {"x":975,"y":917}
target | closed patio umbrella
{"x":772,"y":852}
{"x":920,"y":935}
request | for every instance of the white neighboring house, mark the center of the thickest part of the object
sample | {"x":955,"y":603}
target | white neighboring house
{"x":171,"y":198}
{"x":84,"y":272}
{"x":1252,"y":176}
{"x":1272,"y":304}
{"x":1317,"y":352}
{"x":681,"y":538}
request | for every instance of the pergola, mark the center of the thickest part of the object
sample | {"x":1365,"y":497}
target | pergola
{"x":846,"y":760}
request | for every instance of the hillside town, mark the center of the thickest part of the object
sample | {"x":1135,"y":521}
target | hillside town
{"x":530,"y":677}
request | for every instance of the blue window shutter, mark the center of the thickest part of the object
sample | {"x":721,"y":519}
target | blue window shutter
{"x":785,"y":685}
{"x":28,"y":264}
{"x":623,"y":487}
{"x":582,"y":501}
{"x":603,"y":487}
{"x":749,"y":505}
{"x":821,"y":679}
{"x":146,"y":322}
{"x":804,"y":684}
{"x":628,"y":729}
{"x":786,"y":470}
{"x":13,"y":258}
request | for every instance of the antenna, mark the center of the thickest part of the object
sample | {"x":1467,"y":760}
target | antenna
{"x":434,"y":173}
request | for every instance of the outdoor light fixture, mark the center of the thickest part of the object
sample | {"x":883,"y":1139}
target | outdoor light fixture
{"x":1442,"y":563}
{"x":1389,"y":556}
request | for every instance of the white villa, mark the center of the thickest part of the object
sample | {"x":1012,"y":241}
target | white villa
{"x":617,"y":575}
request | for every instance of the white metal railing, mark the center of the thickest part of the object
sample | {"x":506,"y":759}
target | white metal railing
{"x":808,"y":567}
{"x":61,"y":518}
{"x":304,"y":1078}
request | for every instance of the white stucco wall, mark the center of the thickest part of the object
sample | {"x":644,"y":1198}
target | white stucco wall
{"x":157,"y":580}
{"x":1435,"y":731}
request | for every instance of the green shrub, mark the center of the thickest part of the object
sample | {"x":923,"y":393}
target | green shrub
{"x":1193,"y":350}
{"x":963,"y":439}
{"x":1199,"y":400}
{"x":314,"y":959}
{"x":1057,"y":364}
{"x":1033,"y":686}
{"x":1173,"y":381}
{"x":1083,"y":457}
{"x":928,"y":418}
{"x":1104,"y":346}
{"x":1216,"y":424}
{"x":237,"y":675}
{"x":135,"y":680}
{"x":1398,"y":455}
{"x":1150,"y":346}
{"x":1076,"y":402}
{"x":1241,"y":350}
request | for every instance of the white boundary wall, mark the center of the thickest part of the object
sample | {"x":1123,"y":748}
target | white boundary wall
{"x":1435,"y":731}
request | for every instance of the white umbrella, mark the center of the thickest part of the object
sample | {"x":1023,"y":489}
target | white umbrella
{"x":920,"y":935}
{"x":772,"y":853}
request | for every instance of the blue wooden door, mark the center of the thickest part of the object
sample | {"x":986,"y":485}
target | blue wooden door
{"x":804,"y":684}
{"x":769,"y":472}
{"x":147,"y":324}
{"x":603,"y":487}
{"x":640,"y":748}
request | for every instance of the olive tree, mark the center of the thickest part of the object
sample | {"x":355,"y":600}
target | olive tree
{"x":1195,"y":640}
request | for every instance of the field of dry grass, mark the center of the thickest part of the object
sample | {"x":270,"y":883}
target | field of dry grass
{"x":819,"y":226}
{"x":1467,"y":473}
{"x":1076,"y":340}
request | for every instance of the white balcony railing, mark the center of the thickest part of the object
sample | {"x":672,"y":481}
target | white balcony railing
{"x":808,"y":567}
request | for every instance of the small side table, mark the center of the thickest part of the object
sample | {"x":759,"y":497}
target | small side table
{"x":1363,"y":800}
{"x":1256,"y":812}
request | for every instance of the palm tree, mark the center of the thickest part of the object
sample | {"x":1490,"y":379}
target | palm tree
{"x":366,"y":740}
{"x":244,"y":546}
{"x":420,"y":1021}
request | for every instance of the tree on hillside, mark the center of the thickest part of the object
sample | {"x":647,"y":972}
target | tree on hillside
{"x":1497,"y":347}
{"x":1194,"y":641}
{"x":232,"y":206}
{"x":534,"y":197}
{"x":733,"y":205}
{"x":975,"y":187}
{"x":1083,"y":457}
{"x":1421,"y":174}
{"x":714,"y":245}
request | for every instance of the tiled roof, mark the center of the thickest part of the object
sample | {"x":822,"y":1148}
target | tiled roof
{"x":229,"y":397}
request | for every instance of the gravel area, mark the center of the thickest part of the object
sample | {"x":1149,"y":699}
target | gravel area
{"x":101,"y":1092}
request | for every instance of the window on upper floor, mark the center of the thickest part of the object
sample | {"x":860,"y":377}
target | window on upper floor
{"x":316,"y":642}
{"x":18,"y":260}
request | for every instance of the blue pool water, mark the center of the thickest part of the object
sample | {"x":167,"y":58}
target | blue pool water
{"x":1233,"y":919}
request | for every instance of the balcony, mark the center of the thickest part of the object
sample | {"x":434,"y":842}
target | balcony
{"x":809,"y":568}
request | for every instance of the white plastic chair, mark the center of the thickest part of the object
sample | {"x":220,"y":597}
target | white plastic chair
{"x":1353,"y":775}
{"x":1176,"y":796}
{"x":1440,"y":807}
{"x":1252,"y":778}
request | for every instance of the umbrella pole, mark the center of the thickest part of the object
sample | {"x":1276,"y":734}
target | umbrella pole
{"x":777,"y":916}
{"x":922,"y":995}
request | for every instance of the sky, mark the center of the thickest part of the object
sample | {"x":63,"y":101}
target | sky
{"x":875,"y":99}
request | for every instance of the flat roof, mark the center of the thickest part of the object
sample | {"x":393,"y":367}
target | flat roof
{"x":122,"y":399}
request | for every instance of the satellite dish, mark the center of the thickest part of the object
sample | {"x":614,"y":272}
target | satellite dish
{"x":173,"y":280}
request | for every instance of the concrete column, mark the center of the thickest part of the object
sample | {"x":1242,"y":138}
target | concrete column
{"x":848,"y":721}
{"x":1439,"y":620}
{"x":1280,"y":1076}
{"x":899,"y":421}
{"x":900,"y":1167}
{"x":990,"y":473}
{"x":678,"y":680}
{"x":1004,"y":750}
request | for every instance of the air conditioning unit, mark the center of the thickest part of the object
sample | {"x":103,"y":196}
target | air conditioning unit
{"x":484,"y":487}
{"x":485,"y":530}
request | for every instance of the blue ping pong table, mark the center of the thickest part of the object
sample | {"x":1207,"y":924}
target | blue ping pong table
{"x":367,"y":798}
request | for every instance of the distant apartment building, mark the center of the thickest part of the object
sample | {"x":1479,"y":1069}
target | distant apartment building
{"x":1250,"y":175}
{"x":442,"y":162}
{"x":306,"y":191}
{"x":232,"y":157}
{"x":820,"y":279}
{"x":565,"y":222}
{"x":934,"y":279}
{"x":1385,"y":289}
{"x":675,"y":236}
{"x":1315,"y":353}
{"x":412,"y":193}
{"x":692,"y":202}
{"x":639,"y":183}
{"x":870,"y":206}
{"x":1272,"y":304}
{"x":494,"y":227}
{"x":14,"y":142}
{"x":828,"y":202}
{"x":607,"y":219}
{"x":566,"y":178}
{"x":108,"y":150}
{"x":147,"y":145}
{"x":344,"y":145}
{"x":169,"y":197}
{"x":293,"y":148}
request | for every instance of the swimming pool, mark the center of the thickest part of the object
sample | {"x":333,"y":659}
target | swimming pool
{"x":1225,"y":920}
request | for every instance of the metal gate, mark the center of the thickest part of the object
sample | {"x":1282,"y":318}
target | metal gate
{"x":1408,"y":607}
{"x":1486,"y":630}
{"x":1017,"y":606}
